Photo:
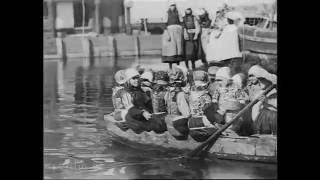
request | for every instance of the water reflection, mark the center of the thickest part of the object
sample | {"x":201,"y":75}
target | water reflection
{"x":77,"y":94}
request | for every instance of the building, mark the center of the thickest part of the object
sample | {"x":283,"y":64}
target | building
{"x":100,"y":16}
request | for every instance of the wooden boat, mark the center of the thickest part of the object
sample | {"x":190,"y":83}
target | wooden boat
{"x":257,"y":149}
{"x":260,"y":38}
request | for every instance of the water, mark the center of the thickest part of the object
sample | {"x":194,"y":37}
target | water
{"x":76,"y":96}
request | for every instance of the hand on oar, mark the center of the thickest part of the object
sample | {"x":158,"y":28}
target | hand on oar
{"x":206,"y":145}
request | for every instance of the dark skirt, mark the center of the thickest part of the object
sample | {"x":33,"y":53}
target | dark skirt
{"x":178,"y":128}
{"x":172,"y":59}
{"x":198,"y":131}
{"x":266,"y":122}
{"x":157,"y":122}
{"x":192,"y":49}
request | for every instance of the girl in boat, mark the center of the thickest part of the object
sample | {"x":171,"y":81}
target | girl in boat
{"x":177,"y":106}
{"x":264,"y":113}
{"x":191,"y":31}
{"x":205,"y":24}
{"x":212,"y":79}
{"x":160,"y":88}
{"x":223,"y":48}
{"x":116,"y":95}
{"x":230,"y":99}
{"x":200,"y":127}
{"x":140,"y":108}
{"x":146,"y":82}
{"x":172,"y":42}
{"x":245,"y":125}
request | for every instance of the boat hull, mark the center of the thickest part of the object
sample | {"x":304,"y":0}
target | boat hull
{"x":258,"y":40}
{"x":257,"y":149}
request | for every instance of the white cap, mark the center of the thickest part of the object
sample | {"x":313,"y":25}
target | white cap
{"x":238,"y":79}
{"x":234,"y":15}
{"x":130,"y":73}
{"x":223,"y":73}
{"x":147,"y":75}
{"x":259,"y":72}
{"x":184,"y":71}
{"x":120,"y":77}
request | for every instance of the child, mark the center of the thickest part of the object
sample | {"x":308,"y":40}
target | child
{"x":117,"y":102}
{"x":199,"y":100}
{"x":177,"y":106}
{"x":212,"y":77}
{"x":159,"y":90}
{"x":230,"y":99}
{"x":146,"y":82}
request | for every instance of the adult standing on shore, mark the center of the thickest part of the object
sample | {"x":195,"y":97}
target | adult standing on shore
{"x":191,"y":31}
{"x":205,"y":23}
{"x":223,"y":48}
{"x":172,"y":42}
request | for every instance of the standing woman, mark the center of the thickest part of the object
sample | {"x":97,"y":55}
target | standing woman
{"x":191,"y":31}
{"x":172,"y":49}
{"x":224,"y":44}
{"x":205,"y":23}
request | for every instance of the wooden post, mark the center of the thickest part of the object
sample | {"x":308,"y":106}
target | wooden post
{"x":128,"y":25}
{"x":51,"y":16}
{"x":97,"y":16}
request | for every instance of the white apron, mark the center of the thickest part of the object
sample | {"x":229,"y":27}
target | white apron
{"x":224,"y":47}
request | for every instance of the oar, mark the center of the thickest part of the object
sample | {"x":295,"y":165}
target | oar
{"x":213,"y":138}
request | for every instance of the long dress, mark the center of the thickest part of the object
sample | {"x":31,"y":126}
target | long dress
{"x":205,"y":23}
{"x":178,"y":113}
{"x":226,"y":46}
{"x":191,"y":28}
{"x":172,"y":39}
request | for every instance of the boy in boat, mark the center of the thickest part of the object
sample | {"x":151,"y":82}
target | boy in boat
{"x":230,"y":99}
{"x":264,"y":113}
{"x":177,"y":106}
{"x":200,"y":128}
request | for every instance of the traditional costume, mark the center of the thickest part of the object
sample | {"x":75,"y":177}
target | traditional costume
{"x":172,"y":38}
{"x":223,"y":47}
{"x":230,"y":99}
{"x":264,"y":113}
{"x":205,"y":24}
{"x":177,"y":106}
{"x":200,"y":128}
{"x":191,"y":28}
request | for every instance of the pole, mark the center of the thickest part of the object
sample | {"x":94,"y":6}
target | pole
{"x":97,"y":16}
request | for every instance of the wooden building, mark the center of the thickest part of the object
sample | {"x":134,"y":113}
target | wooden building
{"x":100,"y":16}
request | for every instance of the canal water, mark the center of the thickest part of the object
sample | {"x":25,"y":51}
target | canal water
{"x":77,"y":94}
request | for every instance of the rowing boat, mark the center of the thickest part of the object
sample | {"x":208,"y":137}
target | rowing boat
{"x":262,"y":148}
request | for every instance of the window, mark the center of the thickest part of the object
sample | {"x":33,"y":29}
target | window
{"x":77,"y":6}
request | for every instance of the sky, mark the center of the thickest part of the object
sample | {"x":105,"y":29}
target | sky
{"x":155,"y":10}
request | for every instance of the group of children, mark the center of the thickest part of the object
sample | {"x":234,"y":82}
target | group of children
{"x":194,"y":103}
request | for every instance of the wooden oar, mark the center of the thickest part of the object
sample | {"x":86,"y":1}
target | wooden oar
{"x":214,"y":137}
